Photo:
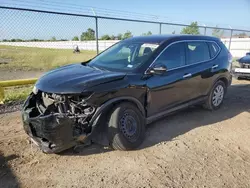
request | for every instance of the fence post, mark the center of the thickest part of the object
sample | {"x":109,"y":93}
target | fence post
{"x":230,"y":40}
{"x":1,"y":95}
{"x":96,"y":35}
{"x":160,"y":29}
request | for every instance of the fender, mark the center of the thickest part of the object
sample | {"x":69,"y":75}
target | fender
{"x":221,"y":77}
{"x":224,"y":78}
{"x":94,"y":122}
{"x":118,"y":99}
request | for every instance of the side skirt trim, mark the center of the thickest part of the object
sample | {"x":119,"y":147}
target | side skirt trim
{"x":171,"y":110}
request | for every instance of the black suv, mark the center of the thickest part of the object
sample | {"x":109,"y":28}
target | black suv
{"x":127,"y":86}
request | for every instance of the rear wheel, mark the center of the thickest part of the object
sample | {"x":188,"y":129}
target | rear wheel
{"x":237,"y":77}
{"x":126,"y":127}
{"x":216,"y":96}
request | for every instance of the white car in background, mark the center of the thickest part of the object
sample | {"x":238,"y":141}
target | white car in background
{"x":244,"y":70}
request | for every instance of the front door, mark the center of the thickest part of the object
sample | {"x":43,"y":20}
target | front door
{"x":172,"y":87}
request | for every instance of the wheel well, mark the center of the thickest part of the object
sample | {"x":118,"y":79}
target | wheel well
{"x":105,"y":111}
{"x":223,"y":79}
{"x":139,"y":106}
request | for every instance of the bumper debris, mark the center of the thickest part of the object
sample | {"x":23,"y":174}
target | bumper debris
{"x":56,"y":123}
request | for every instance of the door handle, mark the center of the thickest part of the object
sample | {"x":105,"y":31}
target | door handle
{"x":187,"y":75}
{"x":214,"y":66}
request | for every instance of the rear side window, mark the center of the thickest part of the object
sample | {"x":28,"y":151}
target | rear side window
{"x":214,"y":49}
{"x":197,"y":52}
{"x":173,"y":56}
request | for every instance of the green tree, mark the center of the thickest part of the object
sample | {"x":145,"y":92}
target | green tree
{"x":35,"y":40}
{"x":217,"y":32}
{"x":112,"y":37}
{"x":16,"y":40}
{"x":192,"y":29}
{"x":127,"y":35}
{"x":88,"y":35}
{"x":146,"y":34}
{"x":119,"y":36}
{"x":242,"y":35}
{"x":53,"y":39}
{"x":106,"y":37}
{"x":75,"y":38}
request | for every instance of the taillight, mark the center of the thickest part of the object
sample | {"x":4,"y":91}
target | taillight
{"x":230,"y":60}
{"x":230,"y":57}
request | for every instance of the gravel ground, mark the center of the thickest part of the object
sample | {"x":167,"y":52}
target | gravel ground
{"x":193,"y":148}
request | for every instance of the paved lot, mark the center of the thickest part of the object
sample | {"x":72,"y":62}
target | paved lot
{"x":193,"y":148}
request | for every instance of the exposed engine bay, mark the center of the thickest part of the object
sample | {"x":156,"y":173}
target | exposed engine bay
{"x":56,"y":122}
{"x":73,"y":106}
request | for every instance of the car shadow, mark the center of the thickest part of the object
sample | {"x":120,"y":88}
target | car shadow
{"x":7,"y":177}
{"x":236,"y":101}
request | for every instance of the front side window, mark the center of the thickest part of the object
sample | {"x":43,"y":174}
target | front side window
{"x":173,"y":56}
{"x":197,"y":52}
{"x":124,"y":56}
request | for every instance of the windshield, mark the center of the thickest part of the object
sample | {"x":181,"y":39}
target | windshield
{"x":124,"y":56}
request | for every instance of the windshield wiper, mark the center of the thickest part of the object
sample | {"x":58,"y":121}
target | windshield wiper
{"x":94,"y":67}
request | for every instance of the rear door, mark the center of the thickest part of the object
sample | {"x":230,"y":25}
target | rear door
{"x":200,"y":66}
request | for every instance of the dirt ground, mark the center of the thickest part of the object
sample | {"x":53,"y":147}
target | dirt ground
{"x":193,"y":148}
{"x":18,"y":74}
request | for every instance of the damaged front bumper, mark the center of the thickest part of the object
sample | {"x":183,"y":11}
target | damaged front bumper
{"x":52,"y":133}
{"x":55,"y":131}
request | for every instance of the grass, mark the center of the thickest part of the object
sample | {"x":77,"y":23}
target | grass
{"x":31,"y":58}
{"x":235,"y":63}
{"x":17,"y":93}
{"x":38,"y":59}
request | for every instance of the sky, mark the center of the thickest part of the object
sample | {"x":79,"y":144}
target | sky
{"x":26,"y":25}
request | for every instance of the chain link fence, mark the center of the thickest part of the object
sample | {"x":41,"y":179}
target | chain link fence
{"x":37,"y":39}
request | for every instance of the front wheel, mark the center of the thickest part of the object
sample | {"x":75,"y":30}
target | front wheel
{"x":126,"y":127}
{"x":216,"y":96}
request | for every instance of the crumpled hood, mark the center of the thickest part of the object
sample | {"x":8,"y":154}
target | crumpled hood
{"x":75,"y":78}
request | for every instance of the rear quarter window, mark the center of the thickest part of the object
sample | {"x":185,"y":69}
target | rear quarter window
{"x":197,"y":52}
{"x":213,"y":48}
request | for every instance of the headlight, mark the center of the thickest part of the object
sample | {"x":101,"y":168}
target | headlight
{"x":35,"y":90}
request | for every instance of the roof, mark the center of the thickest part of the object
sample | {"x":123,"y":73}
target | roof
{"x":163,"y":38}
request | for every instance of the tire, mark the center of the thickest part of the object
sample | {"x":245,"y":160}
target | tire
{"x":219,"y":88}
{"x":126,"y":127}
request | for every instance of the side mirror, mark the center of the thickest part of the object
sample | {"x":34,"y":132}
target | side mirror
{"x":158,"y":69}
